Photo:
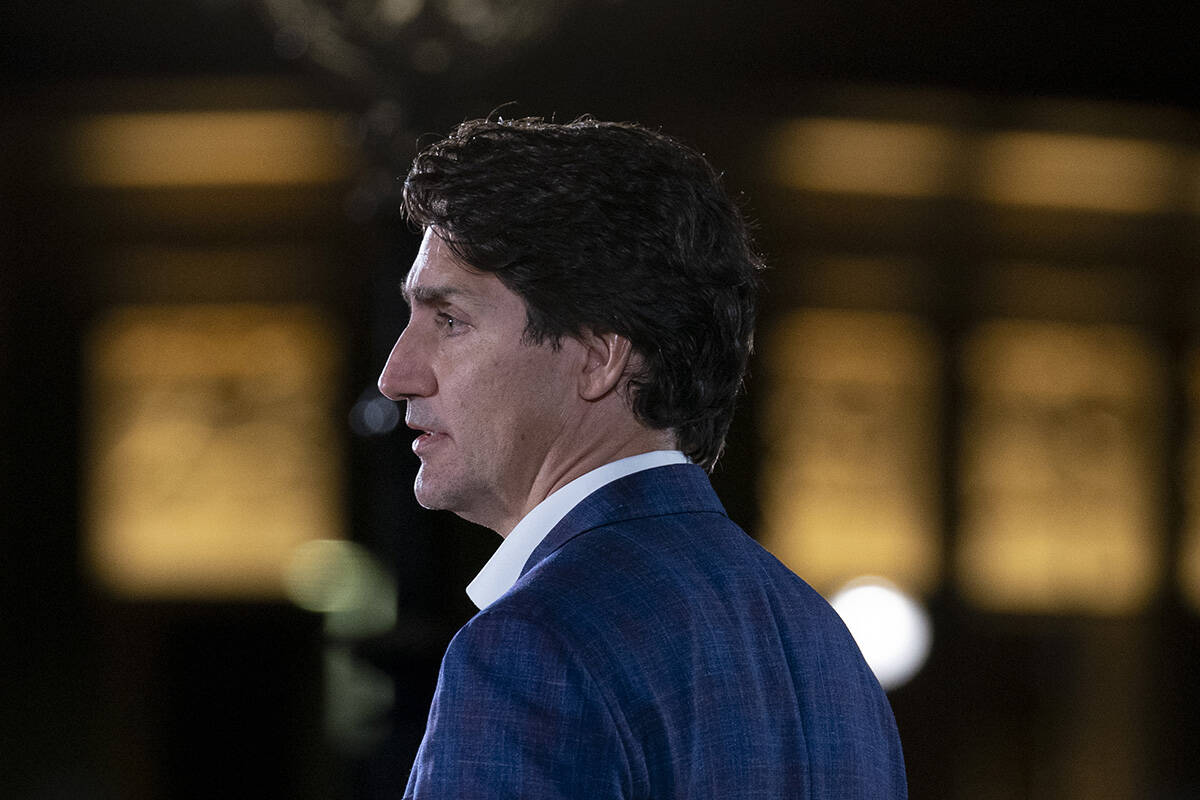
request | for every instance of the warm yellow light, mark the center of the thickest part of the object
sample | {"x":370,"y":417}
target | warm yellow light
{"x":1193,"y":205}
{"x":213,"y":449}
{"x":1094,"y":173}
{"x":850,"y":478}
{"x":863,"y":157}
{"x":1061,"y":453}
{"x":209,"y":148}
{"x":1189,"y":562}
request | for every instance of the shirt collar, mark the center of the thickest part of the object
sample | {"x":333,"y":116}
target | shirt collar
{"x":504,"y":567}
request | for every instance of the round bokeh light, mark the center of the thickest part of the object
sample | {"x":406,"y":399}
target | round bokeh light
{"x":892,"y":629}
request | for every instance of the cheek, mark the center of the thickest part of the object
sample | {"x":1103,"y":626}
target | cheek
{"x":508,"y":392}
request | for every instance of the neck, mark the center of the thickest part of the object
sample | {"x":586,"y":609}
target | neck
{"x":557,"y":472}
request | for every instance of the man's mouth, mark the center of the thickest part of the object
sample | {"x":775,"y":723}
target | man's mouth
{"x":425,"y":440}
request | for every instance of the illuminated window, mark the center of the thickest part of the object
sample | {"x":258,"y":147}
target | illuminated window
{"x":850,"y":478}
{"x":208,"y":148}
{"x":1061,"y":448}
{"x":870,"y":157}
{"x":1189,"y":566}
{"x":1036,"y":169}
{"x":1081,"y":172}
{"x":1192,"y":169}
{"x":212,"y":449}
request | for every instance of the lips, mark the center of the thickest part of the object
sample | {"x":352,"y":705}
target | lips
{"x":426,"y":439}
{"x":423,"y":443}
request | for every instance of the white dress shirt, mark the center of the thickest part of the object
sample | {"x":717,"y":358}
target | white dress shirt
{"x":504,"y":567}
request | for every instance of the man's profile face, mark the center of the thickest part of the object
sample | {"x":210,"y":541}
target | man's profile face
{"x":492,"y":409}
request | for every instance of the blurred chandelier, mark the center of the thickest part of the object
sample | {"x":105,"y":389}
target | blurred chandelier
{"x":375,"y":43}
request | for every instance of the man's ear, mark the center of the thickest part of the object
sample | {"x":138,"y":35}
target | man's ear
{"x":607,"y":358}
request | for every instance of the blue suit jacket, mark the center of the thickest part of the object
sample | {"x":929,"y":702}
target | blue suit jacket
{"x":651,"y":649}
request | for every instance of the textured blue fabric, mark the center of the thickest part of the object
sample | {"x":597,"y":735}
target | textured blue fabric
{"x":651,"y":649}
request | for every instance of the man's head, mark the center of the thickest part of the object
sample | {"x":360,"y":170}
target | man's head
{"x":607,"y":227}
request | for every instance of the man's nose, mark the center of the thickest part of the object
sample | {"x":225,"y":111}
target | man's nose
{"x":406,"y":373}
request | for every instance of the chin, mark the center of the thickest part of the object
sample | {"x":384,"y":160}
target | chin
{"x":442,"y":493}
{"x":426,"y":492}
{"x":436,"y":494}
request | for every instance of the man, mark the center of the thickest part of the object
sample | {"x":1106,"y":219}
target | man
{"x":582,"y":308}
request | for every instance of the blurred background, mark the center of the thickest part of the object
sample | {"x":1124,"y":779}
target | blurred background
{"x":972,"y":418}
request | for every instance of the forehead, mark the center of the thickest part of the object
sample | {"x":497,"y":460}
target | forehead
{"x":438,"y":276}
{"x":434,"y":259}
{"x":436,"y":267}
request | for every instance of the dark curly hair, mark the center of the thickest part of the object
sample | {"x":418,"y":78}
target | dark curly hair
{"x":612,"y":228}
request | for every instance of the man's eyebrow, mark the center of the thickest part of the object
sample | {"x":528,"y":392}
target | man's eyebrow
{"x":432,"y":295}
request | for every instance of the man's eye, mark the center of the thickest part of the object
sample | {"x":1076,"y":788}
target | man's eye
{"x":446,"y":321}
